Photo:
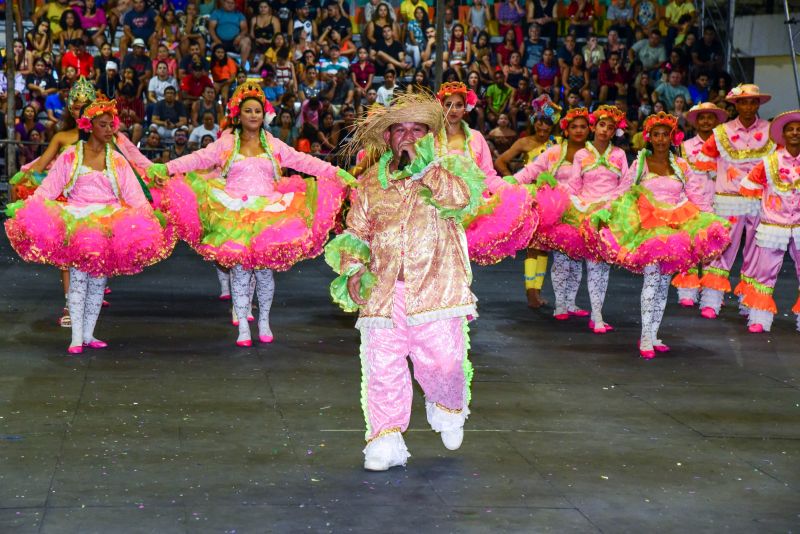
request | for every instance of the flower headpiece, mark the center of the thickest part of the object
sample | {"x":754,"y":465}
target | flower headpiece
{"x":248,"y":89}
{"x":612,"y":113}
{"x":457,"y":88}
{"x":663,"y":119}
{"x":545,"y":109}
{"x":82,"y":90}
{"x":94,"y":110}
{"x":573,"y":114}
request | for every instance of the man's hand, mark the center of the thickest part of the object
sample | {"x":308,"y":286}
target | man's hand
{"x":354,"y":285}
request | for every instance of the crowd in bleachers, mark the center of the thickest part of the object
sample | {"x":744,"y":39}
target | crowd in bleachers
{"x":171,"y":64}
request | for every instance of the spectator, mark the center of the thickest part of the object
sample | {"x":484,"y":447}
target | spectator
{"x":673,"y":14}
{"x":159,"y":83}
{"x":284,"y":71}
{"x":223,"y":70}
{"x":69,"y":75}
{"x":331,"y":37}
{"x":169,"y":114}
{"x":679,"y":109}
{"x":93,"y":21}
{"x":180,"y":146}
{"x":329,"y":66}
{"x":194,"y":57}
{"x":108,"y":82}
{"x":100,"y":60}
{"x":707,"y":53}
{"x":77,"y":56}
{"x":325,"y":134}
{"x":619,"y":15}
{"x":386,"y":91}
{"x":302,"y":21}
{"x":520,"y":106}
{"x":419,"y":82}
{"x":343,"y":130}
{"x":241,"y":77}
{"x":676,"y":62}
{"x":408,"y":9}
{"x":459,"y":50}
{"x":30,"y":152}
{"x":479,"y":16}
{"x":502,"y":136}
{"x":506,"y":48}
{"x":514,"y":71}
{"x":644,"y":93}
{"x":576,"y":78}
{"x":547,"y":76}
{"x":70,"y":28}
{"x":415,"y":34}
{"x":612,"y":79}
{"x":23,"y":59}
{"x":369,"y":101}
{"x":429,"y":54}
{"x":271,"y":54}
{"x":699,"y":90}
{"x":336,"y":20}
{"x":509,"y":17}
{"x":482,"y":58}
{"x":646,"y":16}
{"x":284,"y":9}
{"x":372,"y":6}
{"x":163,"y":56}
{"x":40,"y":84}
{"x":169,"y":31}
{"x":593,"y":55}
{"x":343,"y":92}
{"x":152,"y":148}
{"x":380,"y":19}
{"x":18,"y":88}
{"x":130,"y":104}
{"x":533,"y":47}
{"x":54,"y":106}
{"x":139,"y":62}
{"x":581,"y":18}
{"x":388,"y":53}
{"x":208,"y":127}
{"x":206,"y":140}
{"x":51,"y":12}
{"x":566,"y":52}
{"x":272,"y":90}
{"x":285,"y":130}
{"x":138,"y":25}
{"x":478,"y":114}
{"x":650,"y":52}
{"x":193,"y":30}
{"x":543,"y":13}
{"x":613,"y":44}
{"x":228,"y":27}
{"x":302,"y":49}
{"x":264,"y":27}
{"x":207,"y":103}
{"x":449,"y":22}
{"x":498,"y":96}
{"x":27,"y":124}
{"x":667,"y":91}
{"x":362,"y":73}
{"x":312,"y":87}
{"x":40,"y":41}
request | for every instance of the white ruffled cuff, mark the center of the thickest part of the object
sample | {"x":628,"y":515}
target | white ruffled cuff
{"x":442,"y":420}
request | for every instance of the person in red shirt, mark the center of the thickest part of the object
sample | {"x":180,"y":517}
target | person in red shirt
{"x":193,"y":84}
{"x":78,"y":57}
{"x":581,"y":18}
{"x":612,"y":78}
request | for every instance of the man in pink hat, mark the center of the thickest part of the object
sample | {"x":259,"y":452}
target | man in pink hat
{"x":776,"y":182}
{"x":731,"y":152}
{"x":703,"y":118}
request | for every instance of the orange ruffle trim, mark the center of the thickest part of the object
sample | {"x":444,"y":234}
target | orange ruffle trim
{"x":750,"y":193}
{"x":651,"y":216}
{"x":796,"y":307}
{"x":716,"y":281}
{"x":686,"y":281}
{"x":755,"y":299}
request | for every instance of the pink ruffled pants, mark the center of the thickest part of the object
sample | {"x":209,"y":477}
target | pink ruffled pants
{"x":765,"y":268}
{"x":437,"y":350}
{"x":744,"y":226}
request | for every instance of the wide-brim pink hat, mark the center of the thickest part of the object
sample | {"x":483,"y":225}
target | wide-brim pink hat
{"x":747,"y":90}
{"x":705,"y":107}
{"x":778,"y":123}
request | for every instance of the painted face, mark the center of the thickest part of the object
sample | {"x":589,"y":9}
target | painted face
{"x":402,"y":136}
{"x":604,"y":130}
{"x":251,"y":114}
{"x":103,"y":128}
{"x":454,"y":108}
{"x":791,"y":134}
{"x":660,"y":138}
{"x":542,"y":128}
{"x":706,"y":122}
{"x":578,"y":130}
{"x":747,"y":107}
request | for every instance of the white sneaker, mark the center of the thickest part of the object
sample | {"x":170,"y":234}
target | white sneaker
{"x":452,"y":438}
{"x":385,"y":452}
{"x":449,"y":424}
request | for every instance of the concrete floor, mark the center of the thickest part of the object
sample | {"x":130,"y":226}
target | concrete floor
{"x":174,"y":429}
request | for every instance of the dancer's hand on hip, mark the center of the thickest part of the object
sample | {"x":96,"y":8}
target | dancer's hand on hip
{"x":354,"y":287}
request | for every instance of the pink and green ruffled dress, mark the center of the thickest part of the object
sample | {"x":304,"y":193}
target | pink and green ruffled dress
{"x":239,"y":210}
{"x":105,"y":227}
{"x":662,"y":220}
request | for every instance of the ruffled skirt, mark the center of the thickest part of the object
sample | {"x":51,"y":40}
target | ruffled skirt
{"x":560,"y":223}
{"x":504,"y":224}
{"x":253,"y":231}
{"x":99,"y":239}
{"x":638,"y":230}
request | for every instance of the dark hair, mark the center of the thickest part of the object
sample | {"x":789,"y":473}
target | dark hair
{"x":214,"y":60}
{"x":170,"y":88}
{"x":63,"y":20}
{"x":237,"y":123}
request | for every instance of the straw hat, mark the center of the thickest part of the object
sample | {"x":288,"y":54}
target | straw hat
{"x":747,"y":90}
{"x":705,"y":107}
{"x":779,"y":122}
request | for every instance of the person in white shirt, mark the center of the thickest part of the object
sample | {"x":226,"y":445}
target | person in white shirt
{"x":386,"y":91}
{"x":206,"y":128}
{"x":159,"y":82}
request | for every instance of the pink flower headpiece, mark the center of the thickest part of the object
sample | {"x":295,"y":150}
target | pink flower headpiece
{"x":663,"y":119}
{"x":99,"y":107}
{"x":458,"y":88}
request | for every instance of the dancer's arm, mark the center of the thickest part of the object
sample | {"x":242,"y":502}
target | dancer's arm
{"x":50,"y":153}
{"x":696,"y":187}
{"x":619,"y":159}
{"x":530,"y":172}
{"x":483,"y":156}
{"x":57,"y":178}
{"x":129,"y":189}
{"x":211,"y":156}
{"x":299,"y":161}
{"x":132,"y":153}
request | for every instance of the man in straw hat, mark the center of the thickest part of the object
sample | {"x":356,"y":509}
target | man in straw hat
{"x":731,"y":152}
{"x":776,"y":182}
{"x":403,"y":263}
{"x":703,"y":118}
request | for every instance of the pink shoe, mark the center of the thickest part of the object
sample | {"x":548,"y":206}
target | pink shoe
{"x":600,"y":329}
{"x":561,"y":317}
{"x":756,"y":328}
{"x":647,"y":354}
{"x":225,"y":297}
{"x":106,"y":304}
{"x":250,"y":318}
{"x":75,"y":349}
{"x":107,"y":291}
{"x":265,"y":339}
{"x":708,"y":313}
{"x":662,"y":348}
{"x":579,"y":313}
{"x":96,"y":344}
{"x":686,"y":303}
{"x":245,"y":343}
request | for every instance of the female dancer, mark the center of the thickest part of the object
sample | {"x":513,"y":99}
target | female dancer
{"x":557,"y":162}
{"x":703,"y":118}
{"x":599,"y":176}
{"x":662,"y":225}
{"x":507,"y":220}
{"x":249,"y":218}
{"x":105,"y":227}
